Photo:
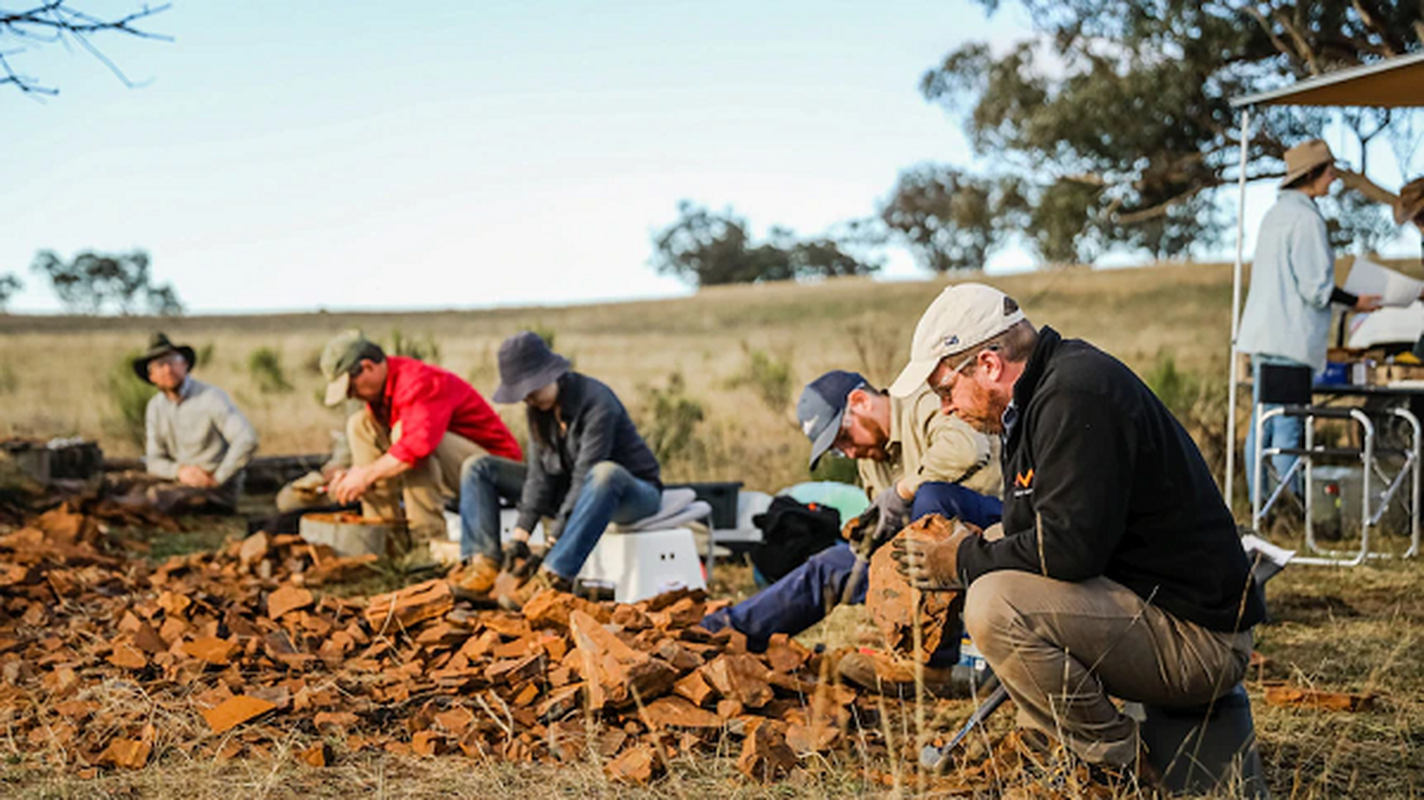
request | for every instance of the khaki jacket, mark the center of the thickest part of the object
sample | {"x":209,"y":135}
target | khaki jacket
{"x":928,"y":445}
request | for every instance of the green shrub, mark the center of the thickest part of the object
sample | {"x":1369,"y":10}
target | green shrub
{"x":1177,"y":390}
{"x":766,"y":375}
{"x":9,"y":379}
{"x":422,"y":347}
{"x":128,"y":400}
{"x":203,"y":354}
{"x":265,"y":367}
{"x":670,"y":419}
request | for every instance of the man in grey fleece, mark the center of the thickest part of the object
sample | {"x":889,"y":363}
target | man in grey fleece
{"x":197,"y":442}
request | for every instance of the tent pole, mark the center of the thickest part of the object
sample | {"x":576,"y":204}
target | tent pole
{"x":1236,"y":311}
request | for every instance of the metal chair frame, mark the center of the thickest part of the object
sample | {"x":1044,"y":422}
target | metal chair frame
{"x":1305,"y":461}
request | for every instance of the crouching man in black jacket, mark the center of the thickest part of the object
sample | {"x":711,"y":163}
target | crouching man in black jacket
{"x":1119,"y":571}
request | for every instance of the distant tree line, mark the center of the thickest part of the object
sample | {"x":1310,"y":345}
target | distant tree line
{"x":707,"y":248}
{"x":1107,"y":129}
{"x":100,"y":283}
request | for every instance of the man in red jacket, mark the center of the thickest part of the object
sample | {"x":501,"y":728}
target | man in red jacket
{"x":418,"y":427}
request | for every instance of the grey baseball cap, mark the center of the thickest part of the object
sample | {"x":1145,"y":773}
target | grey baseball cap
{"x":822,"y":407}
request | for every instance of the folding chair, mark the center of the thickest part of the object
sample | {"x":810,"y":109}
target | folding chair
{"x":1290,"y":388}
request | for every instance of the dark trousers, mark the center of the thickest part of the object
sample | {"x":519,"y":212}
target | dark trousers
{"x":806,"y":594}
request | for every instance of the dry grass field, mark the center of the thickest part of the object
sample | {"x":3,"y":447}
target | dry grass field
{"x":743,"y":353}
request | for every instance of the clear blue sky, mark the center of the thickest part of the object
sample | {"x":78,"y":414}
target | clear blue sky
{"x":294,"y":155}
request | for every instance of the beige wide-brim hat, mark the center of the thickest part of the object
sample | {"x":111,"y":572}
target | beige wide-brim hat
{"x":1411,"y":202}
{"x":1305,"y":157}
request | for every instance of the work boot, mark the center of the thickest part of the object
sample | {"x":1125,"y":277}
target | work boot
{"x":895,"y":677}
{"x":474,"y":578}
{"x":543,"y":579}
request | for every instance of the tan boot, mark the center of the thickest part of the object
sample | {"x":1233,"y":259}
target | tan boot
{"x":895,"y":677}
{"x":475,"y":578}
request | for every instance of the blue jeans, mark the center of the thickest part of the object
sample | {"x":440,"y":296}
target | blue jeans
{"x":610,"y":494}
{"x":806,"y":594}
{"x":1278,"y":432}
{"x":484,"y":481}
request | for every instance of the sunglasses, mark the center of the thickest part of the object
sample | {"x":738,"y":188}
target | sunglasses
{"x":945,"y":385}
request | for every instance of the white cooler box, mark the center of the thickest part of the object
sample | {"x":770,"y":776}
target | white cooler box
{"x":644,"y":564}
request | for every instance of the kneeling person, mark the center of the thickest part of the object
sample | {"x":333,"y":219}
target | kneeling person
{"x":197,"y":443}
{"x":913,"y":461}
{"x":418,"y":426}
{"x":1120,"y":572}
{"x":587,"y":467}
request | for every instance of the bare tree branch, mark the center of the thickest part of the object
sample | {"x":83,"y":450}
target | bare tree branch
{"x":1371,"y":23}
{"x":54,"y":22}
{"x":1368,"y":188}
{"x":1270,"y":31}
{"x":1304,"y":52}
{"x":1161,"y":209}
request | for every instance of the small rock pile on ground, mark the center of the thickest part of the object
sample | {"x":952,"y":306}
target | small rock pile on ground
{"x":107,"y":662}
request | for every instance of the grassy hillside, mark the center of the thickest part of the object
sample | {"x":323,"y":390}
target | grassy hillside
{"x":743,"y":354}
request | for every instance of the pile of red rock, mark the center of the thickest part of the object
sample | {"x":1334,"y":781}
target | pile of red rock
{"x":108,"y":662}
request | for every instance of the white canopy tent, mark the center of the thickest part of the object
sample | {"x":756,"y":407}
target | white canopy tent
{"x":1392,"y":83}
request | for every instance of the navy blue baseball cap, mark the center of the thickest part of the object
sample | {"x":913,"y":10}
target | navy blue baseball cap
{"x":821,"y":407}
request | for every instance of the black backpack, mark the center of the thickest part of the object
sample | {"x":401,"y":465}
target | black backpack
{"x":792,"y":532}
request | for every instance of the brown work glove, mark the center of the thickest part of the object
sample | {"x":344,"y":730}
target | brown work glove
{"x":932,"y":565}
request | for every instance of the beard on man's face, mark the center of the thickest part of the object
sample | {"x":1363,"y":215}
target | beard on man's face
{"x":984,"y":411}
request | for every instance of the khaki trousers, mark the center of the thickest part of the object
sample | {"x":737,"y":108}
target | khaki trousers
{"x":1062,"y":648}
{"x":423,"y":488}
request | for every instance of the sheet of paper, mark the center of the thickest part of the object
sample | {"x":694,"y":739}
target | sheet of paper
{"x":1394,"y":288}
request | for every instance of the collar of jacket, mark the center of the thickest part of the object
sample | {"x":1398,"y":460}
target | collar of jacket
{"x":1027,"y":384}
{"x":185,"y":390}
{"x":571,"y":395}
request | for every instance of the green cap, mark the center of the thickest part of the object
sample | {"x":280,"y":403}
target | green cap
{"x":337,"y":359}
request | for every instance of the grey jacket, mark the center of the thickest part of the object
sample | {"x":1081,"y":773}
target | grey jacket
{"x":598,"y":429}
{"x":205,"y":429}
{"x":1288,"y":308}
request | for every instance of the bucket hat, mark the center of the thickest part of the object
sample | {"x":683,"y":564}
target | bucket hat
{"x":526,"y":364}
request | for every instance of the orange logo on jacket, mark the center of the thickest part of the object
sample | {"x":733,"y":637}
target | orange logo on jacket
{"x":1024,"y":480}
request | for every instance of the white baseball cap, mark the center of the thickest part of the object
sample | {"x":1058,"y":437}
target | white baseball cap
{"x":962,"y":317}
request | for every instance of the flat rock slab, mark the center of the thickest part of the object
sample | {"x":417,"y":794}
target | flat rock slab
{"x":286,"y":599}
{"x":235,"y":711}
{"x":411,"y":605}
